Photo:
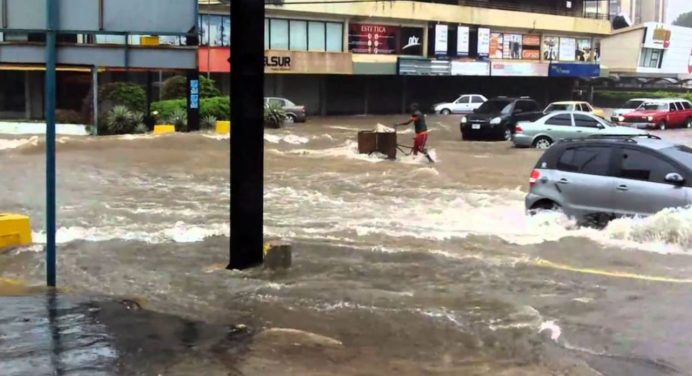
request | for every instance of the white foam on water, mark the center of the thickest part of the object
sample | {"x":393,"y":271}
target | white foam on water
{"x":218,"y":137}
{"x":445,"y":214}
{"x":288,"y":139}
{"x":15,"y":143}
{"x":551,"y":327}
{"x":179,"y":232}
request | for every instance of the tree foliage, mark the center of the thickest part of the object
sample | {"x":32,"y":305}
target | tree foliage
{"x":684,"y":19}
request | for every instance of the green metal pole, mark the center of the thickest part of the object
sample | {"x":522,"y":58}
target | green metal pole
{"x":50,"y":141}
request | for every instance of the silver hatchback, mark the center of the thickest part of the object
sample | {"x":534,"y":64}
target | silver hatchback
{"x":597,"y":179}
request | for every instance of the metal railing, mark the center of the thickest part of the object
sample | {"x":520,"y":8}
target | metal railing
{"x":554,"y":8}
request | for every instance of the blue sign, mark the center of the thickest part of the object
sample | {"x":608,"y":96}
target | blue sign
{"x":574,"y":70}
{"x":194,"y":87}
{"x":194,"y":94}
{"x":194,"y":101}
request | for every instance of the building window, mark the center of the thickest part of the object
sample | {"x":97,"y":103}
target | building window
{"x":651,"y":58}
{"x":215,"y":30}
{"x":316,"y":36}
{"x":278,"y":34}
{"x":335,"y":37}
{"x":299,"y":35}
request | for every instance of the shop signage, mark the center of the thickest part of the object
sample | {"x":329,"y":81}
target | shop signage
{"x":275,"y":62}
{"x":496,"y":45}
{"x":194,"y":94}
{"x":657,"y":36}
{"x":574,"y":70}
{"x":463,"y":37}
{"x":551,"y":48}
{"x":512,"y":46}
{"x":304,"y":62}
{"x":483,"y":42}
{"x":423,"y":67}
{"x":385,"y":40}
{"x":531,"y":47}
{"x":568,"y":49}
{"x":470,"y":68}
{"x":411,"y":41}
{"x":441,"y":39}
{"x":516,"y":69}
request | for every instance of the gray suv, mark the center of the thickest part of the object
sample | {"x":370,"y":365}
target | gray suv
{"x":599,"y":178}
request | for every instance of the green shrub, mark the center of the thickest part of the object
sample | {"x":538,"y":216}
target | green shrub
{"x":121,"y":120}
{"x":68,"y":117}
{"x":114,"y":94}
{"x":612,"y":98}
{"x":141,"y":129}
{"x":208,"y":122}
{"x":176,"y":88}
{"x":218,"y":107}
{"x":179,"y":119}
{"x":274,"y":116}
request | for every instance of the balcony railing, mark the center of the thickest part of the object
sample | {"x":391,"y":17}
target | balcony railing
{"x":546,"y":7}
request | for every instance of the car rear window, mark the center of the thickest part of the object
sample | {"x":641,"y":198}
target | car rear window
{"x":686,"y":105}
{"x":558,"y":107}
{"x":680,"y":153}
{"x":591,"y":160}
{"x":494,"y":106}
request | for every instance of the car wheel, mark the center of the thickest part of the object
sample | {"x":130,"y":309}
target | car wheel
{"x":542,"y":143}
{"x":446,"y":112}
{"x":290,"y":118}
{"x":688,"y":123}
{"x":545,"y":205}
{"x":661,"y":125}
{"x":508,"y":135}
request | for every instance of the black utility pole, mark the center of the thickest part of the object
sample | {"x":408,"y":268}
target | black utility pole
{"x":247,"y":135}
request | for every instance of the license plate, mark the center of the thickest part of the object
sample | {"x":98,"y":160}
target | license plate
{"x":475,"y":126}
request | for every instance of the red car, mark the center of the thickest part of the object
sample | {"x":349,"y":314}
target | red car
{"x":660,"y":114}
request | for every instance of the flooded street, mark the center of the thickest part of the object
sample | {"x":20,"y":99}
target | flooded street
{"x":399,"y":266}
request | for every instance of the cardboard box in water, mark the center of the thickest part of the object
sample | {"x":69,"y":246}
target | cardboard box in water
{"x":377,"y":142}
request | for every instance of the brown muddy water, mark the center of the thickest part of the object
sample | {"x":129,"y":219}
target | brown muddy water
{"x":399,"y":266}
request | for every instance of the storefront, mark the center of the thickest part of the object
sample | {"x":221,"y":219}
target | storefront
{"x":519,"y":69}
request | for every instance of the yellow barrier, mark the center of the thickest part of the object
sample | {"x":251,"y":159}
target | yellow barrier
{"x":164,"y":129}
{"x":15,"y":230}
{"x":150,"y":41}
{"x":223,"y":127}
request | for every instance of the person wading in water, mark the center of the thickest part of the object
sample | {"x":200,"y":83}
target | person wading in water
{"x":418,"y":120}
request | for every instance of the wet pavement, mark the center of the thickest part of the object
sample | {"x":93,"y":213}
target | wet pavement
{"x":399,"y":266}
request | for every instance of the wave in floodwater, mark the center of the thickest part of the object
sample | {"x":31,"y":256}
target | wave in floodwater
{"x":16,"y":143}
{"x":349,"y":150}
{"x":179,"y":232}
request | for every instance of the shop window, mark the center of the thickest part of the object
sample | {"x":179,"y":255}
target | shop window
{"x":278,"y":34}
{"x":335,"y":37}
{"x":215,"y":30}
{"x":299,"y":35}
{"x":316,"y":36}
{"x":651,"y":58}
{"x":266,"y":33}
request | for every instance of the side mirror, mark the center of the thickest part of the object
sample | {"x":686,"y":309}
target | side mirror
{"x":675,"y":178}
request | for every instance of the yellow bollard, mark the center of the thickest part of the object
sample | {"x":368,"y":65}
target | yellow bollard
{"x":164,"y":128}
{"x":223,"y":127}
{"x":15,"y":230}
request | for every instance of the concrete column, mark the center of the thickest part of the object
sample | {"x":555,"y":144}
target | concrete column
{"x":323,"y":95}
{"x":403,"y":94}
{"x":95,"y":89}
{"x":27,"y":95}
{"x":34,"y":95}
{"x":425,"y":40}
{"x":366,"y":96}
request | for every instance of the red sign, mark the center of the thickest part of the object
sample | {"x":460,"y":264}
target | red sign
{"x":373,"y":39}
{"x":214,"y":59}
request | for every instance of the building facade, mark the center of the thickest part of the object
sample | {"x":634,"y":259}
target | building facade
{"x":376,"y":57}
{"x":641,"y":11}
{"x":649,"y":50}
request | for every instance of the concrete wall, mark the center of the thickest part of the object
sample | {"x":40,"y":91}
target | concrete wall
{"x":621,"y":52}
{"x":417,"y":11}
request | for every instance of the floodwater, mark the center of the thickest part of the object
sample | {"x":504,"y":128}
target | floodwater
{"x":399,"y":266}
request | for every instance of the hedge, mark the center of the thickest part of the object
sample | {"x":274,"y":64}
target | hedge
{"x":218,"y":107}
{"x":617,"y":98}
{"x":176,"y":88}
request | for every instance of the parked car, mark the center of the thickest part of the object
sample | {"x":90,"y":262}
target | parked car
{"x":496,"y":118}
{"x":463,"y":105}
{"x":629,"y":106}
{"x":660,"y":114}
{"x":555,"y":126}
{"x":597,"y":179}
{"x":574,"y":106}
{"x":294,"y":113}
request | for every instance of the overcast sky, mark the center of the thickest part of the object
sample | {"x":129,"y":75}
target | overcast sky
{"x":677,"y":7}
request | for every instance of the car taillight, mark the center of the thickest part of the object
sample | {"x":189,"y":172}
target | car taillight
{"x":535,"y":175}
{"x":518,"y":129}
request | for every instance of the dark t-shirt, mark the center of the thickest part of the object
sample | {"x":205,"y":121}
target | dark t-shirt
{"x":419,"y":122}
